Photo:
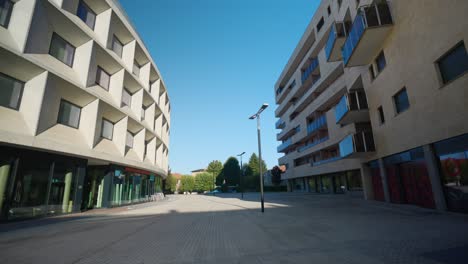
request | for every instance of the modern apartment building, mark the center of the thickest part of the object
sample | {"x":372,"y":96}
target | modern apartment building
{"x":84,"y":112}
{"x":374,"y":102}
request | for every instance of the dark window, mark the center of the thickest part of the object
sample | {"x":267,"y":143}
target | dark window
{"x":107,"y":129}
{"x":126,"y":98}
{"x":339,"y":3}
{"x":454,"y":63}
{"x":129,"y":141}
{"x":401,"y":101}
{"x":11,"y":91}
{"x":320,"y":24}
{"x":69,"y":114}
{"x":371,"y":72}
{"x":381,"y":115}
{"x":86,"y":14}
{"x":357,"y":3}
{"x":329,"y":10}
{"x":62,"y":50}
{"x":102,"y":78}
{"x":6,"y":7}
{"x":380,"y":62}
{"x":117,"y":46}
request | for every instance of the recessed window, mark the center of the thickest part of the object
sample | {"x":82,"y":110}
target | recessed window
{"x":62,"y":50}
{"x":339,"y":3}
{"x":117,"y":46}
{"x":371,"y":72}
{"x":381,"y":115}
{"x":11,"y":91}
{"x":86,"y":14}
{"x":143,"y":109}
{"x":102,"y":78}
{"x":129,"y":140}
{"x":6,"y":7}
{"x":69,"y":114}
{"x":126,"y":98}
{"x":380,"y":62}
{"x":358,"y":2}
{"x":320,"y":24}
{"x":136,"y":68}
{"x":454,"y":63}
{"x":401,"y":101}
{"x":329,"y":10}
{"x":107,"y":129}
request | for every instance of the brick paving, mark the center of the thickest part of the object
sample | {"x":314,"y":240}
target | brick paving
{"x":295,"y":228}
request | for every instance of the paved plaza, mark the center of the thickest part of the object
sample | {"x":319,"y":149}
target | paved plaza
{"x":295,"y":228}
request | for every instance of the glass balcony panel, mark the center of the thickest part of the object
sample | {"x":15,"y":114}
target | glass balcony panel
{"x":357,"y":29}
{"x":330,"y":42}
{"x":346,"y":146}
{"x":341,"y":108}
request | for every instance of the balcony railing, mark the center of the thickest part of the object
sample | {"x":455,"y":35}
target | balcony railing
{"x":350,"y":106}
{"x":312,"y":144}
{"x":320,"y":162}
{"x":316,"y":124}
{"x":338,"y":31}
{"x":310,"y":69}
{"x":357,"y":143}
{"x":287,"y":143}
{"x":280,"y":124}
{"x":375,"y":15}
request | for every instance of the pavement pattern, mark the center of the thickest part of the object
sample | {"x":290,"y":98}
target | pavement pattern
{"x":295,"y":228}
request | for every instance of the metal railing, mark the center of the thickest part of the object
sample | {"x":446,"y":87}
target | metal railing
{"x":316,"y":124}
{"x":374,"y":15}
{"x":284,"y":145}
{"x":312,"y":144}
{"x":311,"y":68}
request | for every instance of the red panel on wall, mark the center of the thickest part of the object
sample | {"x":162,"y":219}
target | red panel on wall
{"x":395,"y":184}
{"x":417,"y":185}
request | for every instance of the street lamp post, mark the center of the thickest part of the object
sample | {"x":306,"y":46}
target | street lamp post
{"x":241,"y":176}
{"x":257,"y":116}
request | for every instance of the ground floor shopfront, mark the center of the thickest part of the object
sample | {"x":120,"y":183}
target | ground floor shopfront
{"x":431,"y":176}
{"x":348,"y":182}
{"x":36,"y":184}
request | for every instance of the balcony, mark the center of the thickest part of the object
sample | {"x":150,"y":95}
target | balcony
{"x":368,"y":32}
{"x":335,"y":41}
{"x":357,"y":145}
{"x":285,"y":145}
{"x":280,"y":124}
{"x":320,"y":162}
{"x":352,"y":108}
{"x":312,"y":144}
{"x":311,"y":70}
{"x":317,"y":124}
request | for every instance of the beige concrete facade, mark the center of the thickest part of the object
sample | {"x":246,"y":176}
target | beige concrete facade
{"x":345,"y":133}
{"x":25,"y":56}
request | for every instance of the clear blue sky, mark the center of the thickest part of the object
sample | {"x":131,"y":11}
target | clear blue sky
{"x":220,"y":60}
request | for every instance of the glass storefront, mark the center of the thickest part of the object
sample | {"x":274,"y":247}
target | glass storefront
{"x":36,"y":184}
{"x":325,"y":184}
{"x":453,"y":162}
{"x":313,"y":186}
{"x":377,"y":184}
{"x":133,"y":186}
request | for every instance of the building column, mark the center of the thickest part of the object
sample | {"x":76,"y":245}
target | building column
{"x":66,"y":208}
{"x":434,"y":177}
{"x":383,"y":175}
{"x":4,"y":173}
{"x":307,"y":186}
{"x":366,"y":178}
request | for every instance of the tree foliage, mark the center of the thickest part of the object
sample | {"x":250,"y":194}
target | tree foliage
{"x":171,"y":183}
{"x":231,"y":172}
{"x":204,"y":182}
{"x":251,"y":179}
{"x":215,"y":168}
{"x":187,"y":183}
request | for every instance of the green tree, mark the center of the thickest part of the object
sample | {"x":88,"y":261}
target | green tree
{"x":204,"y":182}
{"x":252,"y":173}
{"x":231,"y":171}
{"x":214,"y":168}
{"x":171,"y":183}
{"x":187,"y":183}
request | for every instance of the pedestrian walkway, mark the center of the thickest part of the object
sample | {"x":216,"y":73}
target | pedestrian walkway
{"x":295,"y":228}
